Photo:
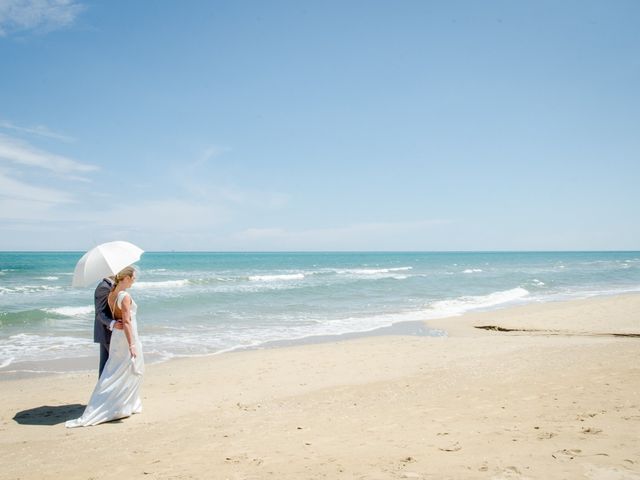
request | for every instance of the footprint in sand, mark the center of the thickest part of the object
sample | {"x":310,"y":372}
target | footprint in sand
{"x":566,"y":453}
{"x":591,"y":430}
{"x":236,"y":458}
{"x":509,"y":473}
{"x":584,"y":416}
{"x":451,"y":448}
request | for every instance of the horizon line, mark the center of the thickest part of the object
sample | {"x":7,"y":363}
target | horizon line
{"x":342,"y":251}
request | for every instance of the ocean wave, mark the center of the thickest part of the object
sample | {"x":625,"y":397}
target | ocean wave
{"x":276,"y":278}
{"x":23,"y":317}
{"x":371,"y":271}
{"x":5,"y":362}
{"x":588,"y":292}
{"x":211,"y":341}
{"x":464,"y":304}
{"x":472,"y":270}
{"x":48,"y":278}
{"x":26,"y":347}
{"x":71,"y":311}
{"x":28,"y":289}
{"x":37,"y":315}
{"x":161,"y":285}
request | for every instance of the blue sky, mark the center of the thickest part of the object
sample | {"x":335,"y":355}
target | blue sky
{"x":308,"y":125}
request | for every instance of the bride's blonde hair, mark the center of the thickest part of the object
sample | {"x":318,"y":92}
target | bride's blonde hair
{"x":125,"y":272}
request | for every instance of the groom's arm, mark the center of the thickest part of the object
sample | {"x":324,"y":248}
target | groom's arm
{"x":103,"y":312}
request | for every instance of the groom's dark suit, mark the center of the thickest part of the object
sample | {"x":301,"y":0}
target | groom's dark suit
{"x":103,"y":321}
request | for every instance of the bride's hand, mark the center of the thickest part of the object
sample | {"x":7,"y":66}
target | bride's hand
{"x":132,"y":350}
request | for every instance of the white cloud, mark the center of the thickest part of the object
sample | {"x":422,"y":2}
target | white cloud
{"x":209,"y":154}
{"x":17,"y":190}
{"x":24,"y":211}
{"x":40,"y":130}
{"x":194,"y":213}
{"x":161,"y":224}
{"x":38,"y":15}
{"x":21,"y":153}
{"x":196,"y":181}
{"x":23,"y":198}
{"x":29,"y":204}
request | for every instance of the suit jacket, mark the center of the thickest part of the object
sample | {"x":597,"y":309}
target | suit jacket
{"x":101,"y":331}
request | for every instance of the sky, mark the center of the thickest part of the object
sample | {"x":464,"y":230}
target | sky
{"x":320,"y":125}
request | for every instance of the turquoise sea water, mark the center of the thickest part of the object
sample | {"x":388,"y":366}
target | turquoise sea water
{"x":202,"y":303}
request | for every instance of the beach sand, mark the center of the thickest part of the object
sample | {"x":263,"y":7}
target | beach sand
{"x":556,"y":397}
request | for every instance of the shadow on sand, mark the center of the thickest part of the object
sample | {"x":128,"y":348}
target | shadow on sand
{"x":48,"y":415}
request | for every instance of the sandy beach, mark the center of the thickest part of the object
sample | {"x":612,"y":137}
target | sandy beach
{"x":544,"y":391}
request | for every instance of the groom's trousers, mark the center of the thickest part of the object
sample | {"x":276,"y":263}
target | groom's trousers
{"x":104,"y":356}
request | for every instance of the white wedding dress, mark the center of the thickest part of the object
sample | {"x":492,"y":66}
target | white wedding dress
{"x":117,"y":393}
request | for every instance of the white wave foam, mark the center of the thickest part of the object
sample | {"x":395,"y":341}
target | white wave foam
{"x":27,"y":347}
{"x":28,"y":289}
{"x":207,"y":342}
{"x":276,"y":278}
{"x":587,"y":292}
{"x":472,"y":270}
{"x":160,"y":285}
{"x":538,"y":282}
{"x":49,"y":278}
{"x":71,"y":311}
{"x":461,"y":305}
{"x":5,"y":362}
{"x":371,"y":271}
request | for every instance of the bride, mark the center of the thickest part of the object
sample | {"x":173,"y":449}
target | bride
{"x":117,"y":393}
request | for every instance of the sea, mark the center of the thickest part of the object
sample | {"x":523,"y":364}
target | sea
{"x":203,"y":303}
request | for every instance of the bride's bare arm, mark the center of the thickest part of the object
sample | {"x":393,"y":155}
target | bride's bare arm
{"x":126,"y":324}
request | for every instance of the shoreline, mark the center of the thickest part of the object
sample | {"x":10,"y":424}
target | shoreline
{"x":64,"y":366}
{"x":474,"y":404}
{"x":439,"y":326}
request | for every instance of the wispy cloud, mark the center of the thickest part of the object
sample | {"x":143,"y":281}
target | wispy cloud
{"x":17,"y":190}
{"x":29,"y":204}
{"x":207,"y":185}
{"x":18,"y":152}
{"x":209,"y":154}
{"x":39,"y":130}
{"x":28,"y":190}
{"x":37,"y":15}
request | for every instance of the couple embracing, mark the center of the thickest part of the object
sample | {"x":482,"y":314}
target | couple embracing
{"x":117,"y":393}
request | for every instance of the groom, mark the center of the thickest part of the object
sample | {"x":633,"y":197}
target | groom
{"x":104,"y":322}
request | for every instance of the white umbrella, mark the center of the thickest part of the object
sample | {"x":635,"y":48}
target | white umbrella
{"x":103,"y":261}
